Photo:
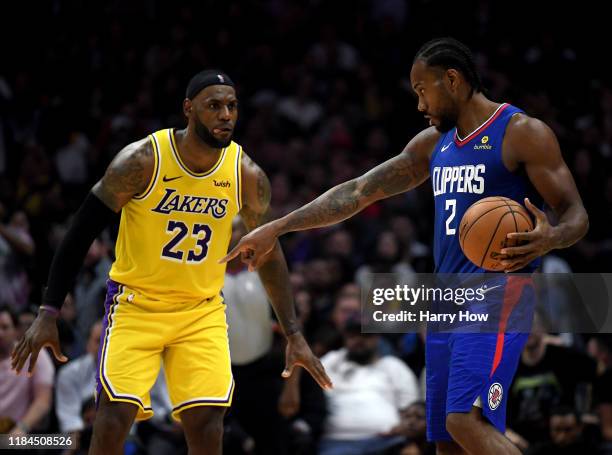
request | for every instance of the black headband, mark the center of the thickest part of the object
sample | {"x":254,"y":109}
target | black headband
{"x":205,"y":78}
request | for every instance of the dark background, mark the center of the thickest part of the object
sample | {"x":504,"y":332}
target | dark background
{"x":80,"y":80}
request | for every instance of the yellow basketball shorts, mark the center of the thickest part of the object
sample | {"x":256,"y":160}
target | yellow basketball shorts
{"x":191,"y":341}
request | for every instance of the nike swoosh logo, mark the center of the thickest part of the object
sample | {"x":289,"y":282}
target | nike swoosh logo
{"x":485,"y":289}
{"x":166,"y":179}
{"x":445,"y":147}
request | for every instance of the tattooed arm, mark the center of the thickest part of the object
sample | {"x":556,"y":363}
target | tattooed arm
{"x":401,"y":173}
{"x":275,"y":275}
{"x":128,"y":175}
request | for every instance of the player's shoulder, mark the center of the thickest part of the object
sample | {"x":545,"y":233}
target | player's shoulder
{"x":524,"y":126}
{"x":528,"y":138}
{"x":256,"y":188}
{"x":247,"y":163}
{"x":250,"y":169}
{"x":137,"y":152}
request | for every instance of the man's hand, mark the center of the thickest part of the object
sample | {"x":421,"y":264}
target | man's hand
{"x":42,"y":332}
{"x":539,"y":242}
{"x":298,"y":353}
{"x":254,"y":246}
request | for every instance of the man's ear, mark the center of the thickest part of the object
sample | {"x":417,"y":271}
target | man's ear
{"x":452,"y":79}
{"x":187,"y":107}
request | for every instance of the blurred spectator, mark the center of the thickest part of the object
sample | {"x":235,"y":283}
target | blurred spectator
{"x":547,"y":376}
{"x":25,"y":401}
{"x":387,"y":258}
{"x":600,"y":348}
{"x":303,"y":405}
{"x":26,"y":318}
{"x":361,"y":377}
{"x":66,"y":327}
{"x":415,"y":252}
{"x":331,"y":54}
{"x":414,"y":427}
{"x":322,"y":280}
{"x":566,"y":435}
{"x":301,"y":112}
{"x":340,"y":245}
{"x":16,"y":245}
{"x":76,"y":385}
{"x":328,"y":332}
{"x":71,"y":159}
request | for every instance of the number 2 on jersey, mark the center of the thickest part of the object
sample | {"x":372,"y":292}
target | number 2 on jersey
{"x":201,"y":232}
{"x":452,"y":205}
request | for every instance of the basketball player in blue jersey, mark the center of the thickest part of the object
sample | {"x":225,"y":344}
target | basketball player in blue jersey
{"x":473,"y":148}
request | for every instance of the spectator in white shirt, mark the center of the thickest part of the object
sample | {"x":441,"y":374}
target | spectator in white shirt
{"x":76,"y":385}
{"x":369,"y":394}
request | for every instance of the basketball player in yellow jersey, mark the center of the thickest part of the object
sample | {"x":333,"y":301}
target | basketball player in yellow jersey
{"x":177,"y":192}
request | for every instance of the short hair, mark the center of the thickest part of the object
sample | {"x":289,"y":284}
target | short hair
{"x":564,"y":410}
{"x":4,"y":308}
{"x":449,"y":53}
{"x":418,"y":403}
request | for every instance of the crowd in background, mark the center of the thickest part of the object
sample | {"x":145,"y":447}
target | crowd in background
{"x":324,"y":95}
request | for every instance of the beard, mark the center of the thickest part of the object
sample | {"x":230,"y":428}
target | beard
{"x":207,"y":137}
{"x":361,"y":356}
{"x":446,"y":124}
{"x":447,"y":117}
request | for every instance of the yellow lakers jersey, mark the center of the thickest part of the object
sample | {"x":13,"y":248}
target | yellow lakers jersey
{"x":172,"y":235}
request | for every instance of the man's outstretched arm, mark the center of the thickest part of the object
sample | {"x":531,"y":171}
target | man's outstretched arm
{"x":399,"y":174}
{"x":396,"y":175}
{"x":274,"y":275}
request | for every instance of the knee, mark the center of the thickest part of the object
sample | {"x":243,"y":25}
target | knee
{"x":112,"y":426}
{"x":114,"y":419}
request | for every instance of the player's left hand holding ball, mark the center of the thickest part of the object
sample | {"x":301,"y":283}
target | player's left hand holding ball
{"x":298,"y":353}
{"x":534,"y":243}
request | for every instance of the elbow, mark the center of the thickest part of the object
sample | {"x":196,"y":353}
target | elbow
{"x":584,"y":224}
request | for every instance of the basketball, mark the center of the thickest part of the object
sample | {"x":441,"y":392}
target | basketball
{"x":484,"y":226}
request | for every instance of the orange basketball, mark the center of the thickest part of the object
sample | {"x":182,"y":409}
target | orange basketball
{"x":484,"y":226}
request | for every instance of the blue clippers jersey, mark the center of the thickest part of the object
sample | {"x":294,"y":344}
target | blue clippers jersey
{"x":465,"y":171}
